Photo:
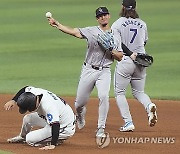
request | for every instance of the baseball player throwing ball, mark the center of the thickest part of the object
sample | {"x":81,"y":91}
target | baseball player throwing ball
{"x":96,"y":66}
{"x":49,"y":111}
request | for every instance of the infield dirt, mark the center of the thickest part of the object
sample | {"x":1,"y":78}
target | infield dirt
{"x":83,"y":142}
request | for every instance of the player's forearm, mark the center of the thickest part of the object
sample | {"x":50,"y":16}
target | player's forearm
{"x":126,"y":50}
{"x":68,"y":30}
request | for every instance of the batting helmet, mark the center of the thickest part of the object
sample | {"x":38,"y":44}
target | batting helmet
{"x":26,"y":102}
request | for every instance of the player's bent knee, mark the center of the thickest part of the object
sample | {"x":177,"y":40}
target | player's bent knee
{"x":29,"y":138}
{"x":32,"y":140}
{"x":104,"y":97}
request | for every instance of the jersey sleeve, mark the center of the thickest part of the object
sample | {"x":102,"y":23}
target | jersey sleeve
{"x":86,"y":32}
{"x":31,"y":89}
{"x":117,"y":37}
{"x":146,"y":34}
{"x":15,"y":98}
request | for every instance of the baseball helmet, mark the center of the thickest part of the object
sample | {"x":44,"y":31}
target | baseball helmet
{"x":26,"y":102}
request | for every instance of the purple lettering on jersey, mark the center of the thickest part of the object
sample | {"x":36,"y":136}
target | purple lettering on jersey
{"x":135,"y":22}
{"x":124,"y":24}
{"x":132,"y":22}
{"x":139,"y":24}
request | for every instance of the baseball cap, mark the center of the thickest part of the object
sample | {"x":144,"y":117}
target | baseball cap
{"x":129,"y":4}
{"x":101,"y":10}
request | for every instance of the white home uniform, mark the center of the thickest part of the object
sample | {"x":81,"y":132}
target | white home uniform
{"x":51,"y":109}
{"x":95,"y":72}
{"x":133,"y":33}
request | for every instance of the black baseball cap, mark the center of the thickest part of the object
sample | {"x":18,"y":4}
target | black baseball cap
{"x":129,"y":4}
{"x":101,"y":10}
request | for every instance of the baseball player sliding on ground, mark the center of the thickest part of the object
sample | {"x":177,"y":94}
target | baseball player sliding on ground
{"x":132,"y":32}
{"x":50,"y":112}
{"x":96,"y":68}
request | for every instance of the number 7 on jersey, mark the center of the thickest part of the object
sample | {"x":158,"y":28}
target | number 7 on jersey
{"x":134,"y":35}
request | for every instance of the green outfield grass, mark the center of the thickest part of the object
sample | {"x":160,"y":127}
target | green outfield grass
{"x":4,"y":152}
{"x":33,"y":53}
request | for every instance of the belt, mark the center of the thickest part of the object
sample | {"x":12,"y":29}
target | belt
{"x":95,"y":67}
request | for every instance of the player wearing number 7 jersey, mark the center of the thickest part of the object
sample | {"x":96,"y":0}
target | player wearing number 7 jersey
{"x":130,"y":30}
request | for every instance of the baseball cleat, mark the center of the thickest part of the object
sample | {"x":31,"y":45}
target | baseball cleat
{"x":17,"y":139}
{"x":128,"y":127}
{"x":100,"y":132}
{"x":152,"y":115}
{"x":81,"y":118}
{"x":61,"y":141}
{"x":34,"y":144}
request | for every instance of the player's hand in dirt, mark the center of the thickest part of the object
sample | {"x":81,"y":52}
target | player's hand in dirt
{"x":48,"y":147}
{"x":9,"y":105}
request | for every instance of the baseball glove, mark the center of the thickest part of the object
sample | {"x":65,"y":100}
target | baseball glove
{"x":106,"y":41}
{"x":143,"y":59}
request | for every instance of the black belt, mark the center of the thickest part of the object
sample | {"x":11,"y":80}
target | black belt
{"x":95,"y":67}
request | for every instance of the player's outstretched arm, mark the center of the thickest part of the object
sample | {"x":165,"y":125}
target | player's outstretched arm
{"x":10,"y":104}
{"x":68,"y":30}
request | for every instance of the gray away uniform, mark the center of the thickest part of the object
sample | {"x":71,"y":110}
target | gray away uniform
{"x":95,"y":72}
{"x":133,"y":33}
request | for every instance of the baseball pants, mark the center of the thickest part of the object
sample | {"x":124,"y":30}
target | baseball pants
{"x":126,"y":73}
{"x":88,"y":80}
{"x":42,"y":135}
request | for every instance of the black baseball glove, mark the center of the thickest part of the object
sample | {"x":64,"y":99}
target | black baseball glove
{"x":106,"y":41}
{"x":143,"y":59}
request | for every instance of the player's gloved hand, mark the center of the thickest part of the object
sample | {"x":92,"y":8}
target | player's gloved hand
{"x":144,"y":60}
{"x":48,"y":147}
{"x":106,"y":41}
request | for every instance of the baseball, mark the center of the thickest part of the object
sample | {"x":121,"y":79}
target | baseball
{"x":48,"y":15}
